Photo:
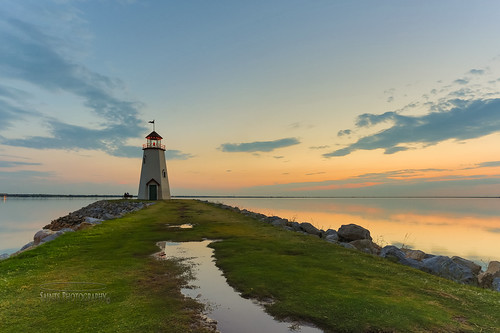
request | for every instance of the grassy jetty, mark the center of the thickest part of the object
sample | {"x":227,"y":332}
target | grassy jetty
{"x":308,"y":279}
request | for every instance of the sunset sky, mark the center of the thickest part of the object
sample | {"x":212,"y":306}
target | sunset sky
{"x":275,"y":97}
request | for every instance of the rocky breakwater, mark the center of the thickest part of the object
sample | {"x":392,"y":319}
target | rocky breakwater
{"x":85,"y":217}
{"x":355,"y":237}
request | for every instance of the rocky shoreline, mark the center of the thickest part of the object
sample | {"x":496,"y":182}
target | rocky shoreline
{"x":355,"y":237}
{"x":85,"y":217}
{"x":350,"y":236}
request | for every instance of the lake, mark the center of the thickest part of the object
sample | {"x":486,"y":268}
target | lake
{"x":21,"y":218}
{"x":467,"y":227}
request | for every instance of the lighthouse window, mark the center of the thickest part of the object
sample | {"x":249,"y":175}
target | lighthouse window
{"x":144,"y":160}
{"x":164,"y":173}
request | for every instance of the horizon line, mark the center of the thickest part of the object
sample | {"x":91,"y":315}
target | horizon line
{"x":261,"y":196}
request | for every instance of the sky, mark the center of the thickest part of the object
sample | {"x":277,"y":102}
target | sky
{"x":280,"y":97}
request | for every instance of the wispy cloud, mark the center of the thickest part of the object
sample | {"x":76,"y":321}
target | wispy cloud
{"x":10,"y":164}
{"x":405,"y":182}
{"x":467,"y":110}
{"x":475,"y":71}
{"x":32,"y":56}
{"x":465,"y":120}
{"x":344,"y":132}
{"x":25,"y":174}
{"x":488,"y":164}
{"x":319,"y":147}
{"x":173,"y":154}
{"x":258,"y":146}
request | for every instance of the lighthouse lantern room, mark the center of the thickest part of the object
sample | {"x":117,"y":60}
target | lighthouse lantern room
{"x":153,"y":184}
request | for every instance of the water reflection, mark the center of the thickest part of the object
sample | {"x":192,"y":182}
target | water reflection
{"x":21,"y":218}
{"x":232,"y":312}
{"x":469,"y":228}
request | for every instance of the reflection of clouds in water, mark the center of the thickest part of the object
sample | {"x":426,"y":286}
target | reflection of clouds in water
{"x":434,"y":225}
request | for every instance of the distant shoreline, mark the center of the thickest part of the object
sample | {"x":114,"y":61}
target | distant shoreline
{"x":41,"y":195}
{"x":38,"y":195}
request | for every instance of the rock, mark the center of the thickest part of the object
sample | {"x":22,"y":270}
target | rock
{"x":414,"y":254}
{"x":30,"y":244}
{"x":348,"y":246}
{"x":294,"y":225}
{"x":494,"y":268}
{"x":40,"y":235}
{"x":330,"y":232}
{"x":397,"y":255}
{"x":367,"y":246}
{"x":496,"y":284}
{"x":108,"y":216}
{"x":102,"y":210}
{"x":310,"y":229}
{"x":55,"y":235}
{"x":279,"y":223}
{"x":352,"y":232}
{"x":475,"y":268}
{"x":447,"y":268}
{"x":493,"y":272}
{"x":83,"y":225}
{"x":331,"y":236}
{"x":4,"y":256}
{"x":93,"y":220}
{"x":50,"y":238}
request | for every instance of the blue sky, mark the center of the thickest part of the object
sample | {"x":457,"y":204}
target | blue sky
{"x":255,"y":97}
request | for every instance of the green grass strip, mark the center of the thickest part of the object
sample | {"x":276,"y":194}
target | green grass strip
{"x":308,"y":279}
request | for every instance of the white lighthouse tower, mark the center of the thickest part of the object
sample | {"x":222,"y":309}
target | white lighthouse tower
{"x":154,"y":178}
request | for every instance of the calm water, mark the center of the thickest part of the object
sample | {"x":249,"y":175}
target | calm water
{"x":466,"y":227}
{"x":21,"y":218}
{"x":232,"y":312}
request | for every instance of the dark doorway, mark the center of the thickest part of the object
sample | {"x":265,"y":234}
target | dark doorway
{"x":153,"y":192}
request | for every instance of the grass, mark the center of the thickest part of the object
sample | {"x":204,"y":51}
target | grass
{"x":308,"y":279}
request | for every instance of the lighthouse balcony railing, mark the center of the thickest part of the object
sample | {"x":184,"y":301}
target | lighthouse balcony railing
{"x":151,"y":145}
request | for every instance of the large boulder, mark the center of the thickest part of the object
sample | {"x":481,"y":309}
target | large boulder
{"x":40,"y":235}
{"x":367,"y":246}
{"x":279,"y":222}
{"x":55,"y":235}
{"x":352,"y":232}
{"x":295,"y":226}
{"x":4,"y":256}
{"x":447,"y":268}
{"x":414,"y":254}
{"x":26,"y":246}
{"x":331,"y":236}
{"x":475,"y":268}
{"x":397,"y":255}
{"x":493,"y":272}
{"x":310,"y":229}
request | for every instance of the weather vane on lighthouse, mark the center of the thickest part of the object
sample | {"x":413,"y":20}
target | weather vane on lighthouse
{"x":153,"y":184}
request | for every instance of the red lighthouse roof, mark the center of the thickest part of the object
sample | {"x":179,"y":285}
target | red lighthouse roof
{"x":154,"y":136}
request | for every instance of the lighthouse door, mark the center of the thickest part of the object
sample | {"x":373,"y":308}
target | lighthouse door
{"x":153,"y":192}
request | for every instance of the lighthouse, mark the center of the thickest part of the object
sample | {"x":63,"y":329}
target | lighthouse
{"x":154,"y":179}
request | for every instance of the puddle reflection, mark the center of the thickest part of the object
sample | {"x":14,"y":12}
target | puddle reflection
{"x":232,"y":312}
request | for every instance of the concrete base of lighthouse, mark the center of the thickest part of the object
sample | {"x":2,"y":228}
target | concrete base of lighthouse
{"x":154,"y":177}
